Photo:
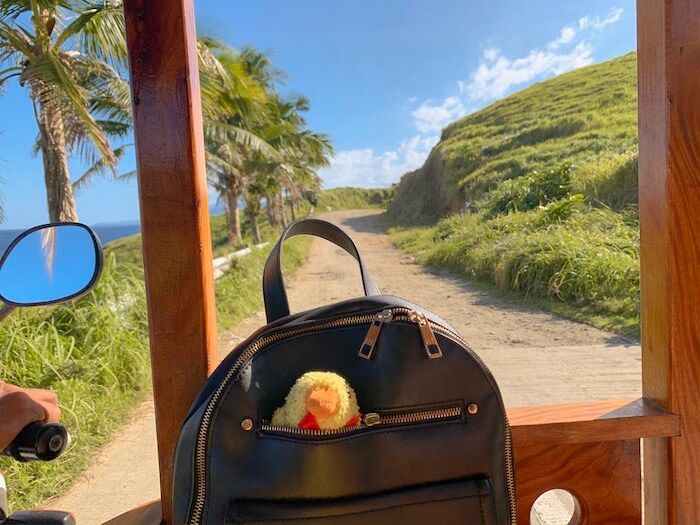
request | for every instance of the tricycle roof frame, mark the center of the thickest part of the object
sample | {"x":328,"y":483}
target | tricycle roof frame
{"x":178,"y":255}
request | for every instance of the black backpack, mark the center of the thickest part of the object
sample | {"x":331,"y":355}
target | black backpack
{"x":433,"y":445}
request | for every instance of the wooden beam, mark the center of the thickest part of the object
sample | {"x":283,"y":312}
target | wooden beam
{"x":174,"y":213}
{"x":669,"y":201}
{"x":590,"y":422}
{"x":591,"y":449}
{"x":604,"y":477}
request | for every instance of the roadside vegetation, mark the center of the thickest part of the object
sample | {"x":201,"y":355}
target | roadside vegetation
{"x":352,"y":199}
{"x":94,"y":351}
{"x":70,"y":57}
{"x":537,"y":196}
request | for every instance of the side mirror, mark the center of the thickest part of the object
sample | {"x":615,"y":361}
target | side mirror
{"x":49,"y":264}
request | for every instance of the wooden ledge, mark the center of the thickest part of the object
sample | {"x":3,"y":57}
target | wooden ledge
{"x":541,"y":425}
{"x":591,"y":422}
{"x":147,"y":514}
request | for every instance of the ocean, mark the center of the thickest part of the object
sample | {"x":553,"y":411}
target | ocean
{"x":106,"y":233}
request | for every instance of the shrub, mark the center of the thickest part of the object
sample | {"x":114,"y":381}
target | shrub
{"x":529,"y":191}
{"x":566,"y":252}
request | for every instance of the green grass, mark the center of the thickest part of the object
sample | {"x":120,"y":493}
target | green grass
{"x":128,"y":250}
{"x":239,"y":291}
{"x":353,"y":199}
{"x":587,"y":118}
{"x":94,"y":353}
{"x":585,"y":266}
{"x":536,"y":196}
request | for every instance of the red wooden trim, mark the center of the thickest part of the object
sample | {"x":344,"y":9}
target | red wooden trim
{"x":590,"y":422}
{"x":174,"y":213}
{"x":669,"y":200}
{"x":605,"y":478}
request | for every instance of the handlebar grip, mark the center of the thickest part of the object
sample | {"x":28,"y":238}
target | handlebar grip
{"x":39,"y":442}
{"x":40,"y":517}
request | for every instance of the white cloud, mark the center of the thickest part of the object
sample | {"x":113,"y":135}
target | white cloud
{"x":598,"y":24}
{"x":493,"y":78}
{"x":498,"y":74}
{"x":572,"y":48}
{"x":566,"y":35}
{"x":431,"y":117}
{"x":365,"y":168}
{"x":491,"y":53}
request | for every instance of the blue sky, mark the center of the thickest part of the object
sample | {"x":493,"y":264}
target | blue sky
{"x":383,"y":78}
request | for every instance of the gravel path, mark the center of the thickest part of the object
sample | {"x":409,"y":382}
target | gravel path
{"x":537,"y":358}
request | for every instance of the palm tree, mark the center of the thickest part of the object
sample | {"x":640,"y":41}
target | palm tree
{"x":234,"y":105}
{"x":256,"y":145}
{"x":301,"y":152}
{"x":70,"y":56}
{"x":298,"y":153}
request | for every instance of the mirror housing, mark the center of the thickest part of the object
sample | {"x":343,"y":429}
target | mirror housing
{"x":50,"y":264}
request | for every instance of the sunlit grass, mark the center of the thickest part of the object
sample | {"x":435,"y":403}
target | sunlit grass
{"x":589,"y":261}
{"x":496,"y":208}
{"x":94,"y":353}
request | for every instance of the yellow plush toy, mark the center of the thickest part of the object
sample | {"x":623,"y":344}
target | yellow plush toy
{"x":319,"y":400}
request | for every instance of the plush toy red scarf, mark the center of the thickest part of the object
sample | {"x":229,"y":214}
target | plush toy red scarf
{"x":309,"y":422}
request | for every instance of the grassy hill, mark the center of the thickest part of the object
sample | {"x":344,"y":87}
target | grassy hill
{"x":587,"y":117}
{"x":536,"y":194}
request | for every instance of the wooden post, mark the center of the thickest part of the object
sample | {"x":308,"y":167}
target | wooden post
{"x":174,"y":213}
{"x":669,"y":198}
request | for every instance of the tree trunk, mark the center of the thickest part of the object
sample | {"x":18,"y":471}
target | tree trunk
{"x":233,"y":216}
{"x":52,"y":139}
{"x":275,"y":210}
{"x":279,"y":207}
{"x":252,"y":208}
{"x":270,"y":209}
{"x":254,"y":226}
{"x":291,"y":207}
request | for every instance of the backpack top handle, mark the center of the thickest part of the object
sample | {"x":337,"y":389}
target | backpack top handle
{"x":276,"y":303}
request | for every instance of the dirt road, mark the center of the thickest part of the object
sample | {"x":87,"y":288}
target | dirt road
{"x":537,"y":358}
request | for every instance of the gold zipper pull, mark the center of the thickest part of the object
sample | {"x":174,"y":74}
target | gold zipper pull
{"x":432,"y":348}
{"x":373,"y":333}
{"x":371,"y":419}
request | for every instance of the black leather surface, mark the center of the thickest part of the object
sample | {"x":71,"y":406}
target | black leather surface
{"x":453,"y":502}
{"x":259,"y":465}
{"x":276,"y":303}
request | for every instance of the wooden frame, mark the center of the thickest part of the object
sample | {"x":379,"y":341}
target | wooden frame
{"x":669,"y":205}
{"x":602,"y":440}
{"x":177,"y":251}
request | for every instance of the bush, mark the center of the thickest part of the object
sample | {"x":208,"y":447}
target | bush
{"x":565,"y":252}
{"x":94,"y":353}
{"x":529,"y":191}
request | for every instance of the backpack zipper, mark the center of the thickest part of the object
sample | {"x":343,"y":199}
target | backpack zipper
{"x":200,"y":477}
{"x":432,"y":348}
{"x":371,"y":420}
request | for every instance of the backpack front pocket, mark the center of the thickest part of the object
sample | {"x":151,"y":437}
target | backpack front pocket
{"x":464,"y":502}
{"x":376,"y":420}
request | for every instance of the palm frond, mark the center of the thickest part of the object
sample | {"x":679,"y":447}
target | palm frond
{"x":221,"y":133}
{"x":99,"y":31}
{"x":15,"y":39}
{"x":54,"y":84}
{"x":100,"y":168}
